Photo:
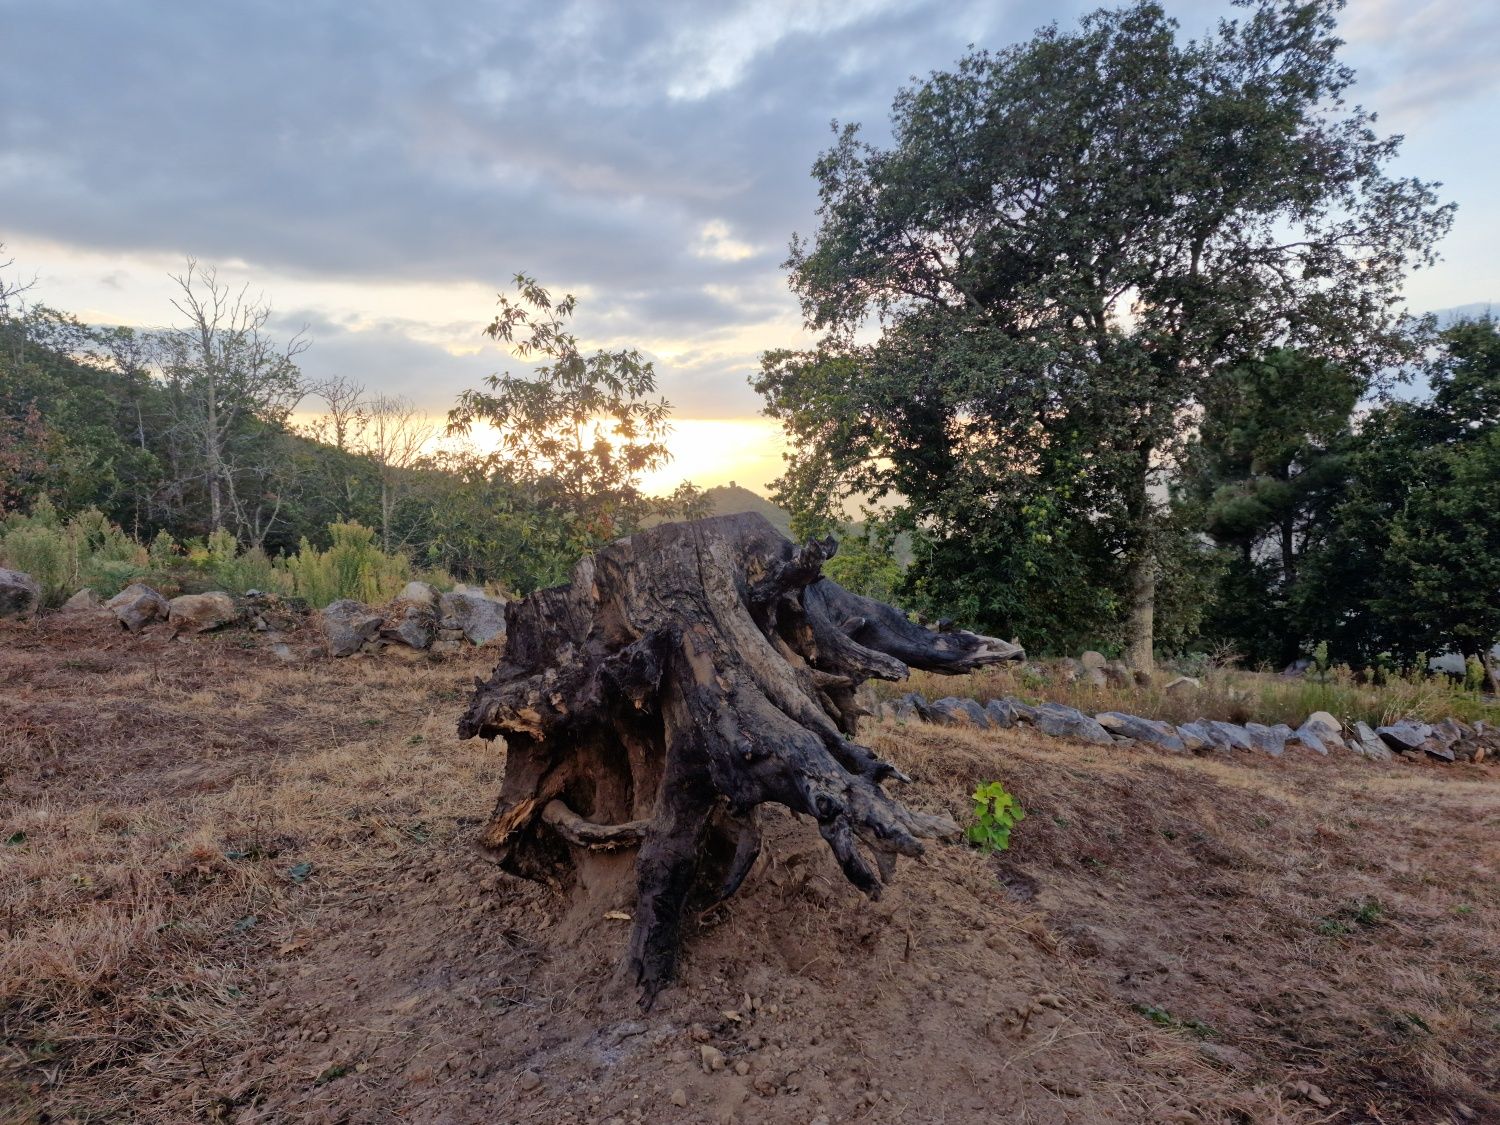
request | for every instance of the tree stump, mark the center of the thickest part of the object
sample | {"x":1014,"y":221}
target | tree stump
{"x":684,"y":677}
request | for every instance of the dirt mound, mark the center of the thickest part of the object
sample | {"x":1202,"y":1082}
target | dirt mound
{"x":311,"y":937}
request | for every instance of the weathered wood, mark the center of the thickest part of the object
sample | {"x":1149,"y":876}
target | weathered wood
{"x":684,"y":677}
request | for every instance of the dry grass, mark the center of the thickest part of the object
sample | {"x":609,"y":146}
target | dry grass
{"x":1228,"y":694}
{"x":173,"y":814}
{"x":1333,"y":919}
{"x":170,"y":959}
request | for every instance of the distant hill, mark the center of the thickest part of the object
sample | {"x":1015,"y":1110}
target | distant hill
{"x":1472,"y":311}
{"x":731,"y":499}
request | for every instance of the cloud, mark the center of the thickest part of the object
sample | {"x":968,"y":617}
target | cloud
{"x":715,"y":241}
{"x":1414,"y":58}
{"x":384,"y":168}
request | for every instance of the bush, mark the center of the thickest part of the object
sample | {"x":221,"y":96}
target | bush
{"x":254,"y":570}
{"x":353,"y":567}
{"x":87,"y":550}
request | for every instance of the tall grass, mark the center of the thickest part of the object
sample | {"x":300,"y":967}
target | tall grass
{"x":88,"y":550}
{"x":1231,"y":695}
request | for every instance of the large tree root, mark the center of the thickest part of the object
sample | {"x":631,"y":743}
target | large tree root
{"x":684,"y":677}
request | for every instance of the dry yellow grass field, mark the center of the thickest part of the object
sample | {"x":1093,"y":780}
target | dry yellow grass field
{"x":235,"y":890}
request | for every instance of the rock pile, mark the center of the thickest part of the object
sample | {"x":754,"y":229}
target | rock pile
{"x":419,"y":619}
{"x":1448,"y":741}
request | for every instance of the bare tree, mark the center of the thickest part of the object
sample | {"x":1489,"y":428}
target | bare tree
{"x":11,"y":290}
{"x":341,"y":426}
{"x":347,"y":416}
{"x":394,"y":439}
{"x":232,"y":390}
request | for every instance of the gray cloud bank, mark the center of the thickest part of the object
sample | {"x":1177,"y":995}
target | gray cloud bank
{"x":658,"y":153}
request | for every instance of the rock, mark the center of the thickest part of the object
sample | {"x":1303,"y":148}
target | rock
{"x":1162,"y":735}
{"x":481,"y":619}
{"x":1450,"y":730}
{"x":413,"y":624}
{"x":710,"y":1058}
{"x":1312,"y":737}
{"x":1093,"y":660}
{"x":82,"y":601}
{"x":1069,"y":722}
{"x":911,"y":707}
{"x":1443,"y":740}
{"x":529,"y":1080}
{"x":1002,"y":714}
{"x":446,"y":648}
{"x":1024,"y":712}
{"x":198,"y":613}
{"x":1297,"y":669}
{"x":1329,"y":731}
{"x":20,"y":594}
{"x":421,"y":593}
{"x":1370,"y":744}
{"x":956,"y":712}
{"x":1182,"y":685}
{"x":1324,"y":722}
{"x":1404,"y":737}
{"x":679,"y":1097}
{"x":1435,"y":749}
{"x":348,"y":624}
{"x":1229,"y":736}
{"x":138,"y":605}
{"x":1481,"y":741}
{"x":1196,"y":736}
{"x":1268,"y":740}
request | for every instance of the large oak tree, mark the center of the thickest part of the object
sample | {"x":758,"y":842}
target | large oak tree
{"x":1022,"y":297}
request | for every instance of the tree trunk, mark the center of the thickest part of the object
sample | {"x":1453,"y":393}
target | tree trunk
{"x":686,"y":676}
{"x":385,"y":512}
{"x":1140,"y":643}
{"x":1140,"y":652}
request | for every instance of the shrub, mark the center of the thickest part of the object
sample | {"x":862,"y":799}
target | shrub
{"x":87,"y":550}
{"x":353,"y":567}
{"x":163,"y":551}
{"x":253,"y":570}
{"x":996,"y":812}
{"x":1474,"y":676}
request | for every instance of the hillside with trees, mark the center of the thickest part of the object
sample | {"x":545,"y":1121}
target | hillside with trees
{"x":178,"y":444}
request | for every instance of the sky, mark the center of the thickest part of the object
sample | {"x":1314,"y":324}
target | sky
{"x":379,"y":170}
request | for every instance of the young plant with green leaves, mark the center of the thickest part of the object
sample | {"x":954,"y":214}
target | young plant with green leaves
{"x":996,"y":812}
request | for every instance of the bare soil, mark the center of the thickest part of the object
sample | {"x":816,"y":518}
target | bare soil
{"x":241,"y":891}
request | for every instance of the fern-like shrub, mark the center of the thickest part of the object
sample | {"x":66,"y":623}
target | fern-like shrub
{"x":352,"y":567}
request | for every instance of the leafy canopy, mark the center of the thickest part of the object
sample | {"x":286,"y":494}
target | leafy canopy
{"x":1066,"y":242}
{"x":581,"y":427}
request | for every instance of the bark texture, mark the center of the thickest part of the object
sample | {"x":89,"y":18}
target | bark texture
{"x":686,"y":676}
